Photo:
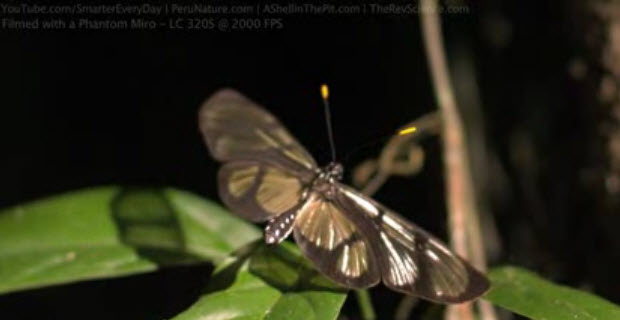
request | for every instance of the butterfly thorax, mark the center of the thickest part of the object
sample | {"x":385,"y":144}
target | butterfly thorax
{"x":333,"y":171}
{"x":323,"y":184}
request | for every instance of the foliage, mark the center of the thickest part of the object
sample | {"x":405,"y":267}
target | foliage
{"x":111,"y":231}
{"x":526,"y":293}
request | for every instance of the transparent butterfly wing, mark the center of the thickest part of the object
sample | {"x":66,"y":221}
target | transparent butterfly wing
{"x":265,"y":166}
{"x":411,"y":260}
{"x":235,"y":128}
{"x":335,"y":244}
{"x":258,"y":191}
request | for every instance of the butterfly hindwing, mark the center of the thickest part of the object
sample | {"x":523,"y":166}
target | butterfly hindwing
{"x":438,"y":274}
{"x":235,"y":128}
{"x":335,"y":244}
{"x":411,"y":260}
{"x":258,"y":191}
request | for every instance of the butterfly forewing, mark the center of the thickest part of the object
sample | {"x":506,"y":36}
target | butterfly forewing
{"x":335,"y":244}
{"x":411,"y":260}
{"x":258,"y":191}
{"x":236,"y":128}
{"x":266,"y":167}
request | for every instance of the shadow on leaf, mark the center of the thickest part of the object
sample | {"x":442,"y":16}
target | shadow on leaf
{"x":284,"y":268}
{"x":147,"y":222}
{"x":225,"y":276}
{"x":281,"y":267}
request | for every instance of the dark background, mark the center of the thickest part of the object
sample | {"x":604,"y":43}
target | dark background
{"x":87,"y":108}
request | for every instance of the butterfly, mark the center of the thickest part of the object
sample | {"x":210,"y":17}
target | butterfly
{"x":267,"y":176}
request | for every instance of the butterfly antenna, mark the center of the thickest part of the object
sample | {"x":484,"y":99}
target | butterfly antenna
{"x":328,"y":119}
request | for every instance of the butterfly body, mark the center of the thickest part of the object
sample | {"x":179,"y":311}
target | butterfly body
{"x":325,"y":180}
{"x":268,"y":176}
{"x":280,"y":227}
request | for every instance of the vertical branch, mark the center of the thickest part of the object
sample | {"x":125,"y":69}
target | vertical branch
{"x":455,"y":158}
{"x":461,"y":201}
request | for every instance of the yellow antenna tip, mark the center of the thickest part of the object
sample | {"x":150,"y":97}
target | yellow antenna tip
{"x":407,"y":130}
{"x":324,"y":91}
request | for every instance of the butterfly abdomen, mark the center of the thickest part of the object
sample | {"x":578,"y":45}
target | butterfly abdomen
{"x":280,"y":227}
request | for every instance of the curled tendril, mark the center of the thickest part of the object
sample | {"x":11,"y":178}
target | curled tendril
{"x":401,"y":156}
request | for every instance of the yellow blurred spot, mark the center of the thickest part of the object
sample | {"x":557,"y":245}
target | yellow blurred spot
{"x":70,"y":255}
{"x":407,"y":131}
{"x":324,"y":91}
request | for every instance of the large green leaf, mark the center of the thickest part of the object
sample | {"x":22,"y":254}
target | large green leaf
{"x":525,"y":293}
{"x":111,"y":231}
{"x":273,"y":283}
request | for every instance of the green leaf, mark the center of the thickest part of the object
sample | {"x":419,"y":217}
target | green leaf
{"x":527,"y":294}
{"x":269,"y":283}
{"x":111,"y":231}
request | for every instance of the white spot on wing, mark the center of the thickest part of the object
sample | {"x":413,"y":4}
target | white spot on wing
{"x":398,"y":227}
{"x":369,"y":207}
{"x":345,"y":261}
{"x":432,"y":255}
{"x":440,"y":247}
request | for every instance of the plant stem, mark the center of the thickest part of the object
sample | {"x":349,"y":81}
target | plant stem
{"x":461,"y":199}
{"x":375,"y":183}
{"x":428,"y":124}
{"x":407,"y":303}
{"x":365,"y":302}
